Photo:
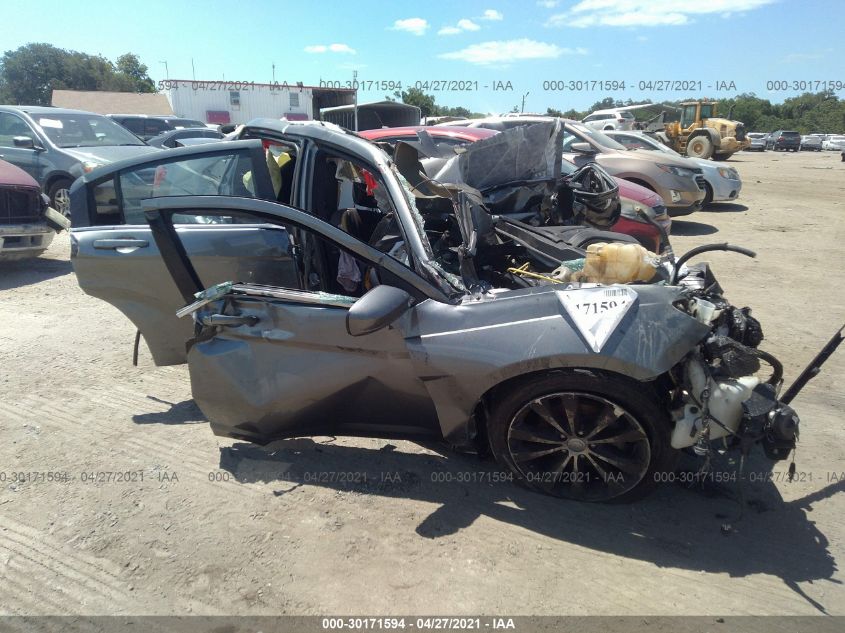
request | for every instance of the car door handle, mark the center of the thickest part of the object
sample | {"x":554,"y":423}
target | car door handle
{"x":125,"y":242}
{"x":229,"y":320}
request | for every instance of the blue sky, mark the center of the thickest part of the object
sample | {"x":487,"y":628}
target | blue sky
{"x":747,"y":42}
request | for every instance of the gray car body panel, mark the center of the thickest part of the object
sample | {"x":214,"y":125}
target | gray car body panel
{"x":463,"y":351}
{"x":294,"y":366}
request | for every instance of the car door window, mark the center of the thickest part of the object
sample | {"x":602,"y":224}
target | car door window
{"x":568,"y":139}
{"x":221,"y":172}
{"x":304,"y":261}
{"x":12,"y":126}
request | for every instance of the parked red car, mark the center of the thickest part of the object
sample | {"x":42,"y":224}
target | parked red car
{"x":27,"y":223}
{"x":630,"y":194}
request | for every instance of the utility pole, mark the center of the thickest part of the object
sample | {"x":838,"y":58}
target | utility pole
{"x":523,"y":102}
{"x":355,"y":88}
{"x":193,"y":70}
{"x":274,"y":74}
{"x":166,"y":72}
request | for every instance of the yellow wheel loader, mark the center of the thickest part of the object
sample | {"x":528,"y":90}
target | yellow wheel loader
{"x":700,"y":133}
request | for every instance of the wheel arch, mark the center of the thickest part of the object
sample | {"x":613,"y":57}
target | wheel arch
{"x":642,"y":183}
{"x":657,"y":386}
{"x":54,"y":177}
{"x":715,"y":138}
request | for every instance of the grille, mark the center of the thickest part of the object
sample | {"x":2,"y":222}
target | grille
{"x":699,"y":180}
{"x":18,"y":206}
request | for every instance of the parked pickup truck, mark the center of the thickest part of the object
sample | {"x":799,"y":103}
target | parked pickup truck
{"x":27,"y":222}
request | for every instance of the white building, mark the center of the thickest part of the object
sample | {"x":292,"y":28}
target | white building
{"x":224,"y":102}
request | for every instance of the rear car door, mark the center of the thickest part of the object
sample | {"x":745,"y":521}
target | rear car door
{"x":116,"y":258}
{"x":275,"y":360}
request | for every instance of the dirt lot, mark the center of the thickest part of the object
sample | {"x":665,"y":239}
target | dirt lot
{"x":220,"y":527}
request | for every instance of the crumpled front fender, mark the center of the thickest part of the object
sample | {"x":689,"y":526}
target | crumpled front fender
{"x":462,"y":351}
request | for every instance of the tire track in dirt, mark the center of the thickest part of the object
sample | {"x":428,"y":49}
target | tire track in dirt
{"x":46,"y":568}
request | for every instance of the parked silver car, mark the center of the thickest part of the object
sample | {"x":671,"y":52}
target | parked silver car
{"x":722,"y":183}
{"x":444,"y":326}
{"x":758,"y":142}
{"x":835,"y":142}
{"x":610,"y":120}
{"x":811,"y":143}
{"x":55,"y":146}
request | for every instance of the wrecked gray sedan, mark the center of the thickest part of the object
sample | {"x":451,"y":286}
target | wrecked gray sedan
{"x":319,"y":292}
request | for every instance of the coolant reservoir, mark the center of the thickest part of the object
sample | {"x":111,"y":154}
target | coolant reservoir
{"x":611,"y":264}
{"x":725,"y":404}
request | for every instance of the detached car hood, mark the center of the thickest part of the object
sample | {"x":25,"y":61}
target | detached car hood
{"x":109,"y":153}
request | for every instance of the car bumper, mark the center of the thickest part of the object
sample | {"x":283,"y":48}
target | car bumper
{"x":18,"y":241}
{"x":725,"y":189}
{"x":680,"y":195}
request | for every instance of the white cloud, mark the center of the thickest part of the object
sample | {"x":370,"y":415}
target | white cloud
{"x":462,"y":25}
{"x":417,"y":26}
{"x":806,"y":57}
{"x":331,"y":48}
{"x":492,"y":15}
{"x":548,"y":4}
{"x":588,"y":13}
{"x":506,"y":51}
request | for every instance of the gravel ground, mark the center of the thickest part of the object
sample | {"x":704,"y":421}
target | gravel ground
{"x":210,"y":526}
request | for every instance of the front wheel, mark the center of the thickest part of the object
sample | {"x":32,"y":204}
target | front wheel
{"x":582,"y":435}
{"x":700,"y":147}
{"x":59,"y":194}
{"x":708,"y":195}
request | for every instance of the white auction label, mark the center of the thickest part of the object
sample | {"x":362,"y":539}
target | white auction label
{"x":597,"y":311}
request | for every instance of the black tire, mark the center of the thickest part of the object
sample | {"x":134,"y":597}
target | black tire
{"x":700,"y":147}
{"x":59,"y":196}
{"x":602,"y":406}
{"x":708,"y":195}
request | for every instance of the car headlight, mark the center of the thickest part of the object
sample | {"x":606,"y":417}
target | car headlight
{"x":88,"y":166}
{"x":729,"y":172}
{"x":678,"y":171}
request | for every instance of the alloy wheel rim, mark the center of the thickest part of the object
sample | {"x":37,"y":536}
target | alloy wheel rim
{"x":62,"y":202}
{"x":579,"y":446}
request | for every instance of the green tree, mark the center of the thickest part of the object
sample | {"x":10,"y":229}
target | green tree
{"x":29,"y":74}
{"x":131,"y":67}
{"x":415,"y":96}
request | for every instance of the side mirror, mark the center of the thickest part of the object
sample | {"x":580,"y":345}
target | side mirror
{"x":377,"y":309}
{"x":584,"y":148}
{"x":24,"y":142}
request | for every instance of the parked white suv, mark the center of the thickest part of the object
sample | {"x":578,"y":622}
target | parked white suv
{"x":610,"y":120}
